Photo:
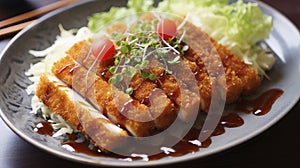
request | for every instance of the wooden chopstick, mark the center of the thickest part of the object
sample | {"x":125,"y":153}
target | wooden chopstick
{"x":35,"y":13}
{"x":5,"y":25}
{"x":15,"y":28}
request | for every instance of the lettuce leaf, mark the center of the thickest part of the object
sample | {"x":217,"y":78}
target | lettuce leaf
{"x":240,"y":26}
{"x":99,"y":20}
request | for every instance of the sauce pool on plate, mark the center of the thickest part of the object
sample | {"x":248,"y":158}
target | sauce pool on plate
{"x":258,"y":106}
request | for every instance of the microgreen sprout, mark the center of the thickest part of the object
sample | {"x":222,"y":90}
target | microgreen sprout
{"x":147,"y":75}
{"x":136,"y":47}
{"x":129,"y":90}
{"x":174,"y":61}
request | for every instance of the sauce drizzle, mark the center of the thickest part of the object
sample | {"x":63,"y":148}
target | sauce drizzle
{"x":43,"y":128}
{"x":260,"y":105}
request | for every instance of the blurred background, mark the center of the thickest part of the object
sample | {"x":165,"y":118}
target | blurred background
{"x":9,"y":8}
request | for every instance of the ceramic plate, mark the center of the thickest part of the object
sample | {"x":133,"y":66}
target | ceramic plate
{"x":15,"y":103}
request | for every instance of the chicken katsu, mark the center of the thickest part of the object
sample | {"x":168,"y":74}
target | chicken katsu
{"x":64,"y":101}
{"x":140,"y":83}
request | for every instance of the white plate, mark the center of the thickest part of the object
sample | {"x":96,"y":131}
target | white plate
{"x":15,"y":103}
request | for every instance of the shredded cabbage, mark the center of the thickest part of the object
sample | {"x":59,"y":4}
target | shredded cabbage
{"x":239,"y":26}
{"x":56,"y":51}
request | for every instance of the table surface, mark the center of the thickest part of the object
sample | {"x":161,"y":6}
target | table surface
{"x":279,"y":146}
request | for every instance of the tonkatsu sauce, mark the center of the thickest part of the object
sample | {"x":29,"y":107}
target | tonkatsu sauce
{"x":260,"y":105}
{"x":43,"y":128}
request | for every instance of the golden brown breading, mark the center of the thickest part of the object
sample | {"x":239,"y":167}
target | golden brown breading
{"x":161,"y":107}
{"x":105,"y":96}
{"x":234,"y":85}
{"x":122,"y":109}
{"x":71,"y":107}
{"x":203,"y":56}
{"x":246,"y":73}
{"x":81,"y":53}
{"x":57,"y":100}
{"x":142,"y":88}
{"x":186,"y":99}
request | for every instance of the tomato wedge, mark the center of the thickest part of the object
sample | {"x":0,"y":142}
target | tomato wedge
{"x":103,"y":49}
{"x":166,"y":29}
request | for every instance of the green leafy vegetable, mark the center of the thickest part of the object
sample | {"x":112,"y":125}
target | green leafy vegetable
{"x":129,"y":90}
{"x":135,"y":50}
{"x":99,"y":20}
{"x":239,"y":26}
{"x":174,"y":61}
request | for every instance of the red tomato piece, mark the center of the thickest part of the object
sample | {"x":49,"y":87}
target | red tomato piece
{"x":166,"y":29}
{"x":103,"y":49}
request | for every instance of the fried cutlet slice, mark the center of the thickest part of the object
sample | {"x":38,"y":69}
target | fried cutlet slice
{"x":81,"y":52}
{"x":203,"y":46}
{"x":65,"y":102}
{"x":201,"y":59}
{"x":116,"y":105}
{"x":186,"y":100}
{"x":246,"y":73}
{"x":142,"y":88}
{"x":233,"y":85}
{"x":204,"y":57}
{"x":161,"y":107}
